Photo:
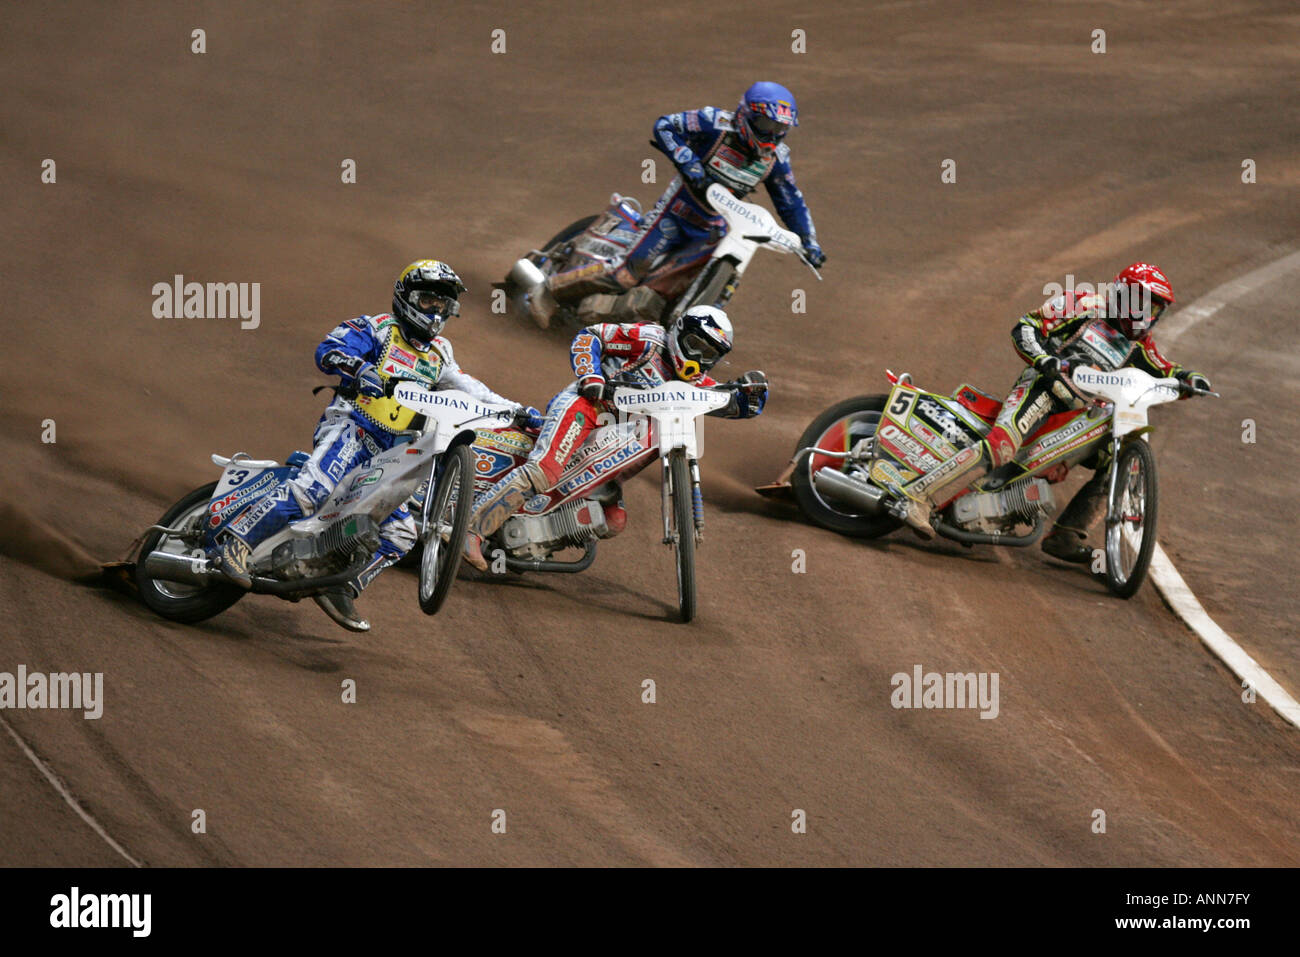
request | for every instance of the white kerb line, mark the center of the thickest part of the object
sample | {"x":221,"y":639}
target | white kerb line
{"x":1166,"y":577}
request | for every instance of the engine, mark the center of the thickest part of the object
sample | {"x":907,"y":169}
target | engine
{"x":536,"y":536}
{"x":993,"y":511}
{"x":332,"y":550}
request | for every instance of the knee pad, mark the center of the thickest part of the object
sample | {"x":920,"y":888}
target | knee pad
{"x":397,"y":535}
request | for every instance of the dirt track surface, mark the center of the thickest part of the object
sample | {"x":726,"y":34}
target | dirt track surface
{"x":525,"y":696}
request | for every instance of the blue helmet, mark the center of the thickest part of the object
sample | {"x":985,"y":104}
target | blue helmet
{"x":765,"y":115}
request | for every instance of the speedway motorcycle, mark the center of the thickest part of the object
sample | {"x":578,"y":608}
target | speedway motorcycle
{"x":855,"y":452}
{"x":659,"y":421}
{"x":673,"y":285}
{"x":433,"y":467}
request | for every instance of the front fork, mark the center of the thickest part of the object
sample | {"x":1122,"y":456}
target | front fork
{"x":697,"y":500}
{"x":1113,"y":516}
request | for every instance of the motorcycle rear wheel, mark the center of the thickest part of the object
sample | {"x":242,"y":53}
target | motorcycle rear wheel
{"x":857,"y":418}
{"x":174,"y":601}
{"x":571,"y":231}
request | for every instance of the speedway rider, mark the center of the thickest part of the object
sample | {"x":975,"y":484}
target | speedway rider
{"x":644,"y":354}
{"x":1092,"y":329}
{"x":364,"y":421}
{"x":739,"y":150}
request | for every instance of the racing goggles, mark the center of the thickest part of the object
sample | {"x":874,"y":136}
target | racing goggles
{"x":766,"y":126}
{"x":703,"y":351}
{"x":433,"y":303}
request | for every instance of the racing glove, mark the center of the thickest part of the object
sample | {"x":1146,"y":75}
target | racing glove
{"x":594,"y":388}
{"x":368,"y":381}
{"x":1194,"y":380}
{"x":529,"y":418}
{"x":814,"y":253}
{"x":750,"y":394}
{"x":1049,"y":366}
{"x":693,"y":173}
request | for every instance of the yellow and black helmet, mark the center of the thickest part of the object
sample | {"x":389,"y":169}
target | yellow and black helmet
{"x":425,"y":296}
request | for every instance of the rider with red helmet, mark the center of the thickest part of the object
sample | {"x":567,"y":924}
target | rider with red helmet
{"x":1109,"y":330}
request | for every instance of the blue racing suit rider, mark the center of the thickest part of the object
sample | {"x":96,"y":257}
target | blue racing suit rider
{"x":739,"y":150}
{"x":362,"y":422}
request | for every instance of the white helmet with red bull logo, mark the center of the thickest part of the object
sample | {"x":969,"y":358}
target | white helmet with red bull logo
{"x":698,"y":339}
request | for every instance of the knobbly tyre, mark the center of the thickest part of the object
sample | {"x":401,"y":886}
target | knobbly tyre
{"x":659,"y":421}
{"x":851,"y":455}
{"x":330,"y":546}
{"x":673,"y":285}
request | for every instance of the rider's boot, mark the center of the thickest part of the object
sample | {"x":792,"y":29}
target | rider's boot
{"x":941,"y":484}
{"x":490,"y":512}
{"x":541,"y":305}
{"x":337,"y":601}
{"x":234,"y":545}
{"x":1066,"y":540}
{"x":231,"y":554}
{"x":545,"y":298}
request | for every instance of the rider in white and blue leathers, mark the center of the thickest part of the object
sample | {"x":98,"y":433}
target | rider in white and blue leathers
{"x":363,"y":421}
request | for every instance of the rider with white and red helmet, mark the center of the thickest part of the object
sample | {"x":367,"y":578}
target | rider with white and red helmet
{"x":1108,"y":330}
{"x":643,"y":354}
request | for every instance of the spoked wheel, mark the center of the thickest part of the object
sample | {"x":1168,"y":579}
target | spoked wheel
{"x":683,"y":531}
{"x":174,"y":600}
{"x":839,"y":429}
{"x":1131,"y":540}
{"x":442,"y":531}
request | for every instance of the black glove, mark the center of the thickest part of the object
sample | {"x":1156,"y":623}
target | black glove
{"x":814,"y":253}
{"x":1049,"y":366}
{"x":1194,"y":380}
{"x":594,"y":388}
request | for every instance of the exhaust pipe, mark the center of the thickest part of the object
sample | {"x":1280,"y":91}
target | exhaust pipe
{"x":525,"y":274}
{"x":841,"y":488}
{"x":178,"y":568}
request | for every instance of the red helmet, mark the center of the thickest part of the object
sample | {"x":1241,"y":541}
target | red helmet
{"x":1134,"y":319}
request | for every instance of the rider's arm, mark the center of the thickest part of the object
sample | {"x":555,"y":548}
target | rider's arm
{"x":453,"y":376}
{"x":1060,"y":316}
{"x":1147,"y":356}
{"x":347,"y":349}
{"x":1029,"y":336}
{"x":674,"y":131}
{"x":787,"y":198}
{"x":585,"y":353}
{"x":748,"y":395}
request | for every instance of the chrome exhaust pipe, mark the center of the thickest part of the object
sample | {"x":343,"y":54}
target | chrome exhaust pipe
{"x":525,"y":274}
{"x":179,"y":568}
{"x":849,"y":491}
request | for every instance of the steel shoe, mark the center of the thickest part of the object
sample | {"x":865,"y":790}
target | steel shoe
{"x":1068,"y":546}
{"x":337,"y":603}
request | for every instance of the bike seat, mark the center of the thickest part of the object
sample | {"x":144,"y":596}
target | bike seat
{"x":983,"y":404}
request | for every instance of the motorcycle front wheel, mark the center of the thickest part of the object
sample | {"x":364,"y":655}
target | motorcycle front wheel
{"x":442,"y":534}
{"x":1131,"y":540}
{"x":683,"y":529}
